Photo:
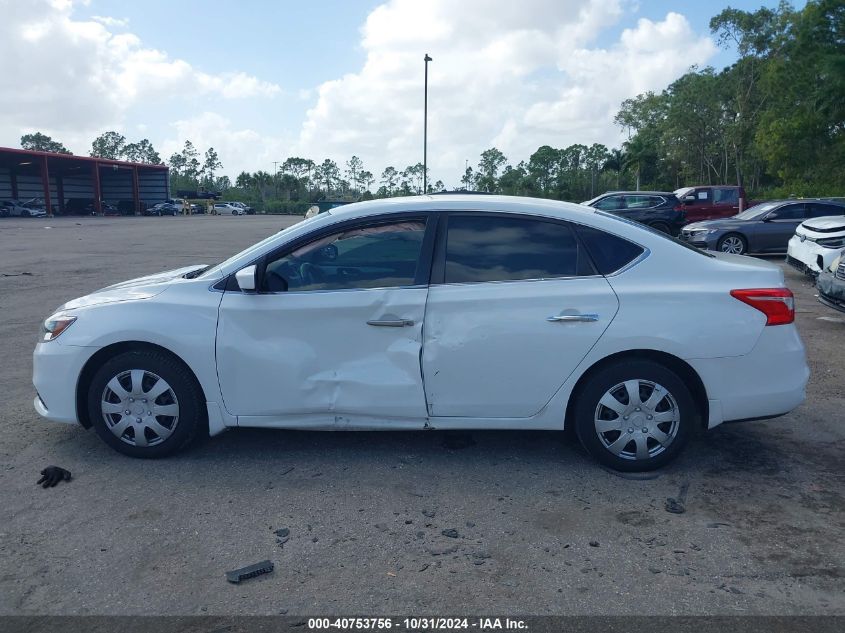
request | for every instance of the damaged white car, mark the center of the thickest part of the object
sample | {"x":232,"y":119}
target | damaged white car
{"x":440,"y":312}
{"x":817,"y":243}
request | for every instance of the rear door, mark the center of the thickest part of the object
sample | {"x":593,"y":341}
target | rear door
{"x":725,"y":202}
{"x":514,"y":306}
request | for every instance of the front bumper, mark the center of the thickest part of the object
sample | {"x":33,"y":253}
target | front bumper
{"x":55,"y":375}
{"x":831,"y":290}
{"x":767,"y":382}
{"x":706,"y":241}
{"x":808,"y":256}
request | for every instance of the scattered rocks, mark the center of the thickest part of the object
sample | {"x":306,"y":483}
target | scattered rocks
{"x":594,"y":543}
{"x":451,"y":533}
{"x":429,"y":513}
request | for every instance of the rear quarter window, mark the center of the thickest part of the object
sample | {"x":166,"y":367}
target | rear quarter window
{"x":608,"y":252}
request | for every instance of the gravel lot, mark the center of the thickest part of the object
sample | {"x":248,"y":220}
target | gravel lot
{"x":762,"y":532}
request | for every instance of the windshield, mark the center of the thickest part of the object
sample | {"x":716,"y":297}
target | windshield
{"x":653,"y":231}
{"x":757,"y":210}
{"x":216,"y":270}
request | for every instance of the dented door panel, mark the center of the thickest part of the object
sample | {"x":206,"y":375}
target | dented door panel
{"x":300,"y":353}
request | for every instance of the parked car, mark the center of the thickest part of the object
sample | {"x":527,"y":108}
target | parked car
{"x":15,"y":208}
{"x":162,"y":208}
{"x":179,"y":203}
{"x":831,"y":283}
{"x":228,"y":208}
{"x":246,"y":208}
{"x":817,"y":242}
{"x":764,"y":228}
{"x":521,"y":314}
{"x":711,"y":202}
{"x":657,"y":209}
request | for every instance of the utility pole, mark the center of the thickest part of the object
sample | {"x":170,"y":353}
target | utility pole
{"x":426,"y":59}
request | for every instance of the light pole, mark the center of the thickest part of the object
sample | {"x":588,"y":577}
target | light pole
{"x":426,"y":59}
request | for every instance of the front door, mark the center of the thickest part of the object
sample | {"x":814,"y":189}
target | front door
{"x":774,"y":234}
{"x":513,"y":308}
{"x":336,"y":328}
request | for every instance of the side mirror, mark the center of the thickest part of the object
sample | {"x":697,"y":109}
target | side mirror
{"x":770,"y":217}
{"x":246,"y":278}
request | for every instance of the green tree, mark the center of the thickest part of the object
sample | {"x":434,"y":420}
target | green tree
{"x":109,"y":145}
{"x":141,"y":152}
{"x":389,"y":180}
{"x":210,"y":164}
{"x":489,"y":165}
{"x":42,"y":143}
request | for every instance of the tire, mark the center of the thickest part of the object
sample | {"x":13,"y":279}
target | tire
{"x":618,"y":445}
{"x":733,"y":243}
{"x":662,"y":227}
{"x":119,"y":386}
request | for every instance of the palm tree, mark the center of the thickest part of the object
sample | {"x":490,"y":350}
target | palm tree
{"x":637,"y":153}
{"x":614,"y":163}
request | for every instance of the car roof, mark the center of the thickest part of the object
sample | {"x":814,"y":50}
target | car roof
{"x":457,"y":202}
{"x":642,"y":193}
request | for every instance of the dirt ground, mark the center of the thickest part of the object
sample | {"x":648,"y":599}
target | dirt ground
{"x":541,"y":529}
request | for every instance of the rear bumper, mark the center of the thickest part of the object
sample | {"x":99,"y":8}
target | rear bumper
{"x":767,"y":382}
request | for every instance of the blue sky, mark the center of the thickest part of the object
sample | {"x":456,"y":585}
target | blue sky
{"x":261,"y":81}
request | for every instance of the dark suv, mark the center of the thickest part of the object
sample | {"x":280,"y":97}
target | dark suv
{"x":660,"y":210}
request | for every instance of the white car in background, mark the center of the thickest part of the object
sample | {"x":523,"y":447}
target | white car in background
{"x":228,"y":208}
{"x":817,"y":243}
{"x":443,"y":312}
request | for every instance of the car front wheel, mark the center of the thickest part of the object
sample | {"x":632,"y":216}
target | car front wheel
{"x":733,"y":244}
{"x":634,"y":415}
{"x":145,"y":404}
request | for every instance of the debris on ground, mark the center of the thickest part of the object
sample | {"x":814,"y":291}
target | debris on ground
{"x":451,"y":533}
{"x":251,"y":571}
{"x":594,"y":543}
{"x":52,"y":475}
{"x":282,"y":536}
{"x":677,"y":506}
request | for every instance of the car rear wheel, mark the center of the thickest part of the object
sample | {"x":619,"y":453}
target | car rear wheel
{"x":634,"y":415}
{"x":733,"y":243}
{"x":145,"y":404}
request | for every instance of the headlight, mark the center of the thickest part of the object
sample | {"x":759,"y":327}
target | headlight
{"x":831,"y":242}
{"x":55,"y":325}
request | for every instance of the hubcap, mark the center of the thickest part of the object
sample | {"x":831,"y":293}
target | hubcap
{"x":732,"y":245}
{"x":637,"y":419}
{"x":140,"y":408}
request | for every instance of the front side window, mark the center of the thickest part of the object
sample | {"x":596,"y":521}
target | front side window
{"x":484,"y":248}
{"x":373,"y":256}
{"x":789,"y":212}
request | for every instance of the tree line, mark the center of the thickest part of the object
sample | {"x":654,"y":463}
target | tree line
{"x":774,"y":122}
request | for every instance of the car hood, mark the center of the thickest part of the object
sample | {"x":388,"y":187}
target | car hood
{"x":134,"y":289}
{"x":826,"y":224}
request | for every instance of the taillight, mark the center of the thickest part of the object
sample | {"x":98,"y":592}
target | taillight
{"x":778,"y":304}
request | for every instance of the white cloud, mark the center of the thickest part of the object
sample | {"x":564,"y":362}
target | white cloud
{"x":513,"y":75}
{"x":239,"y":149}
{"x":76,"y":78}
{"x":110,"y":22}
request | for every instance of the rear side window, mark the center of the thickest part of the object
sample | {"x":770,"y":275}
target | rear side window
{"x":818,"y":210}
{"x":609,"y":253}
{"x":726,"y":195}
{"x":484,"y":248}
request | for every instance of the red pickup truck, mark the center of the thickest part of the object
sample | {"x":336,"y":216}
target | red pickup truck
{"x":711,"y":202}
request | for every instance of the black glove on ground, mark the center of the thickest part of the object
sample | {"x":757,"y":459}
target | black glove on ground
{"x":52,"y":475}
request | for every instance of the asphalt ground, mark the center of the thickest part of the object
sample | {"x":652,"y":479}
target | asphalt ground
{"x":541,"y":528}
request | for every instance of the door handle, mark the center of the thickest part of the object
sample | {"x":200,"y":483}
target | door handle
{"x":573,"y":317}
{"x":390,"y":322}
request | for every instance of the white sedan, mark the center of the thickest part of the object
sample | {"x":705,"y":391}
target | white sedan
{"x":228,"y":207}
{"x":816,"y":243}
{"x":444,"y":312}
